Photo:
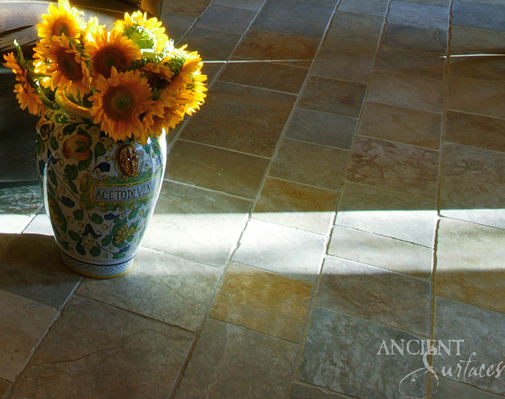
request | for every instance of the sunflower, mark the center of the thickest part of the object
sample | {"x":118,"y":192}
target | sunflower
{"x":158,"y":75}
{"x":61,"y":20}
{"x":191,"y":64}
{"x":119,"y":103}
{"x":25,"y":93}
{"x":64,"y":64}
{"x":173,"y":110}
{"x":146,"y":33}
{"x":111,"y":50}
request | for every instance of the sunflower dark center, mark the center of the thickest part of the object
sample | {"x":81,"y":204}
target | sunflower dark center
{"x":68,"y":66}
{"x":108,"y":57}
{"x":120,"y":102}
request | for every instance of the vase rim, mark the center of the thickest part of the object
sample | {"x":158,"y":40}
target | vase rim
{"x":71,"y":107}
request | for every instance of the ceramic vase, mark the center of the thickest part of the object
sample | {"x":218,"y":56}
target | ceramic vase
{"x":99,"y":194}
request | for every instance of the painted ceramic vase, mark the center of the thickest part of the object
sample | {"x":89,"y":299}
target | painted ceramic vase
{"x":99,"y":194}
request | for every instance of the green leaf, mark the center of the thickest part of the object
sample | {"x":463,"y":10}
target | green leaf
{"x":70,"y":128}
{"x":84,"y":164}
{"x":64,"y":243}
{"x":72,"y":186}
{"x":106,"y":240}
{"x":99,"y":150}
{"x":78,"y":215}
{"x":118,"y":256}
{"x":96,"y":218}
{"x":74,"y":236}
{"x":133,"y":214}
{"x":52,"y":176}
{"x":71,"y":172}
{"x":95,"y":251}
{"x":118,"y":226}
{"x":60,"y":118}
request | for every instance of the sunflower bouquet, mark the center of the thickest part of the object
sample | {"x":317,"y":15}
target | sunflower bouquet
{"x":132,"y":79}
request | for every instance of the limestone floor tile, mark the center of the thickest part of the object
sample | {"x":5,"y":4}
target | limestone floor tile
{"x":266,"y":75}
{"x":195,"y":224}
{"x":441,"y":3}
{"x":20,"y":200}
{"x":343,"y":354}
{"x":416,"y":38}
{"x":226,"y":19}
{"x":371,"y":7}
{"x":40,"y":225}
{"x":462,"y":93}
{"x":485,"y":67}
{"x":233,"y":362}
{"x":296,"y":205}
{"x":444,"y":388}
{"x":387,"y":213}
{"x":24,"y":323}
{"x":216,"y":169}
{"x":265,"y":45}
{"x":406,"y":91}
{"x":393,"y":166}
{"x":309,"y":163}
{"x":475,"y":130}
{"x":473,"y":185}
{"x":263,"y":302}
{"x":176,"y":25}
{"x":471,"y":264}
{"x":280,"y":249}
{"x":239,"y":118}
{"x":95,"y":350}
{"x":350,"y":40}
{"x":160,"y":286}
{"x":333,"y":96}
{"x":482,"y":338}
{"x":212,"y":45}
{"x":465,"y":40}
{"x":294,"y":16}
{"x":252,"y":5}
{"x":478,"y":15}
{"x":299,"y":391}
{"x":193,"y":8}
{"x":322,"y":128}
{"x":357,"y":21}
{"x":14,"y":224}
{"x":418,"y":63}
{"x":343,"y":65}
{"x":422,"y":15}
{"x":403,"y":125}
{"x":5,"y":240}
{"x":4,"y":386}
{"x":32,"y":267}
{"x":384,"y":252}
{"x":375,"y":294}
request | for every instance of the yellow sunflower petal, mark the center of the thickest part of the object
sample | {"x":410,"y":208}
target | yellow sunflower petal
{"x":61,"y":20}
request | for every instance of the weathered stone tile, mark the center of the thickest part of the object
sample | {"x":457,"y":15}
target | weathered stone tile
{"x":343,"y":353}
{"x":226,"y":19}
{"x":299,"y":391}
{"x":388,"y":213}
{"x":212,"y":45}
{"x":343,"y":65}
{"x":475,"y":130}
{"x":226,"y":353}
{"x":418,"y":63}
{"x":470,"y":264}
{"x":117,"y":353}
{"x":397,"y":167}
{"x":359,"y":22}
{"x":465,"y":40}
{"x":385,"y":252}
{"x":309,"y":163}
{"x":375,"y":294}
{"x":432,"y":2}
{"x":190,"y":287}
{"x":14,"y":224}
{"x":478,"y":15}
{"x":40,"y":225}
{"x":176,"y":25}
{"x":20,"y":200}
{"x":371,"y":7}
{"x":195,"y":224}
{"x":32,"y":267}
{"x":280,"y":249}
{"x":416,"y":38}
{"x":406,"y":91}
{"x":5,"y":240}
{"x":4,"y":386}
{"x":215,"y":168}
{"x":482,"y":338}
{"x":24,"y":323}
{"x":322,"y":128}
{"x":403,"y":125}
{"x":274,"y":305}
{"x":473,"y":185}
{"x":264,"y":45}
{"x":462,"y":93}
{"x":296,"y":205}
{"x":193,"y":8}
{"x":294,"y":16}
{"x":421,"y":15}
{"x":244,"y":119}
{"x":444,"y":388}
{"x":333,"y":96}
{"x":252,"y":5}
{"x":266,"y":75}
{"x":349,"y":40}
{"x":485,"y":67}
